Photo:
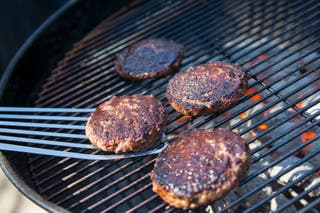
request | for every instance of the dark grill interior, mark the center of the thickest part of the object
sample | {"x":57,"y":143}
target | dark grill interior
{"x":277,"y":42}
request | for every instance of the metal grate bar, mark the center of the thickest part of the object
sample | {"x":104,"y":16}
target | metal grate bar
{"x":141,"y":204}
{"x":111,"y":184}
{"x":47,"y":169}
{"x":276,"y":126}
{"x":150,"y":8}
{"x":82,"y":189}
{"x":118,"y":85}
{"x":260,"y":101}
{"x":198,"y":30}
{"x":142,"y":189}
{"x":118,"y":38}
{"x":310,"y":206}
{"x":303,"y":145}
{"x":265,"y":98}
{"x":234,"y":31}
{"x":206,"y":9}
{"x":244,"y":196}
{"x":119,"y":47}
{"x":287,"y":155}
{"x":99,"y":170}
{"x":244,"y":13}
{"x":192,"y":41}
{"x":178,"y":34}
{"x":289,"y":185}
{"x":250,"y":177}
{"x":300,"y":196}
{"x":88,"y":99}
{"x":272,"y":149}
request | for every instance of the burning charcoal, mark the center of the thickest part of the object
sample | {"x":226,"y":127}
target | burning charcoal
{"x":313,"y":180}
{"x":314,"y":148}
{"x":255,"y":145}
{"x":254,"y":183}
{"x":314,"y":109}
{"x":218,"y":205}
{"x":280,"y":200}
{"x":294,"y":173}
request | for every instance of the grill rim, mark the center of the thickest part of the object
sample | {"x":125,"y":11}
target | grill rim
{"x":5,"y":164}
{"x":17,"y":177}
{"x":3,"y":157}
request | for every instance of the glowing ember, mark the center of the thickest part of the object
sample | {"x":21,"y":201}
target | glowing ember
{"x":249,"y":91}
{"x":256,"y":97}
{"x":263,"y":126}
{"x":262,"y":56}
{"x":308,"y":135}
{"x":243,"y":115}
{"x":300,"y":104}
{"x":250,"y":63}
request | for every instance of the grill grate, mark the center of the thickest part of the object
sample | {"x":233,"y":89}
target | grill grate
{"x":277,"y":42}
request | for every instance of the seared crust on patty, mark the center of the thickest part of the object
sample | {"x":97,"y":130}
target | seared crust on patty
{"x":200,"y":166}
{"x":127,"y":123}
{"x":206,"y":88}
{"x":154,"y":57}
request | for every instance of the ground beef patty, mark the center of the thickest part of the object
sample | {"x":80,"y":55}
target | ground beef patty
{"x":127,"y":123}
{"x":206,"y":88}
{"x":149,"y":58}
{"x":199,"y":167}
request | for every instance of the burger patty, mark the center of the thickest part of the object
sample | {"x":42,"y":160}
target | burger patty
{"x":127,"y":123}
{"x":149,"y":58}
{"x":206,"y":88}
{"x":200,"y":166}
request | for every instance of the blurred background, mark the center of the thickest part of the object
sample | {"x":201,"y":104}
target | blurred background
{"x":18,"y":19}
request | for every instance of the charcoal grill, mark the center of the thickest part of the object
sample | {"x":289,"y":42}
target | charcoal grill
{"x":277,"y":42}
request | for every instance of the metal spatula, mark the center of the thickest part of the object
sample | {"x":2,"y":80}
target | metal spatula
{"x":30,"y":130}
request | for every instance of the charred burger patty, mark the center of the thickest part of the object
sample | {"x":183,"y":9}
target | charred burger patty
{"x":127,"y":123}
{"x":199,"y":167}
{"x":155,"y":57}
{"x":206,"y":88}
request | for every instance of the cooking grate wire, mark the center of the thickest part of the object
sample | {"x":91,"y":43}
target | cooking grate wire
{"x":115,"y":89}
{"x":294,"y":23}
{"x":111,"y":64}
{"x":195,"y":43}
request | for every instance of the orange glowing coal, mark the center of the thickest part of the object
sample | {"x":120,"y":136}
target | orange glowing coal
{"x":300,"y":104}
{"x":249,"y":91}
{"x":308,"y":135}
{"x":263,"y":126}
{"x":250,"y":63}
{"x":262,"y":56}
{"x":243,"y":115}
{"x":256,"y":97}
